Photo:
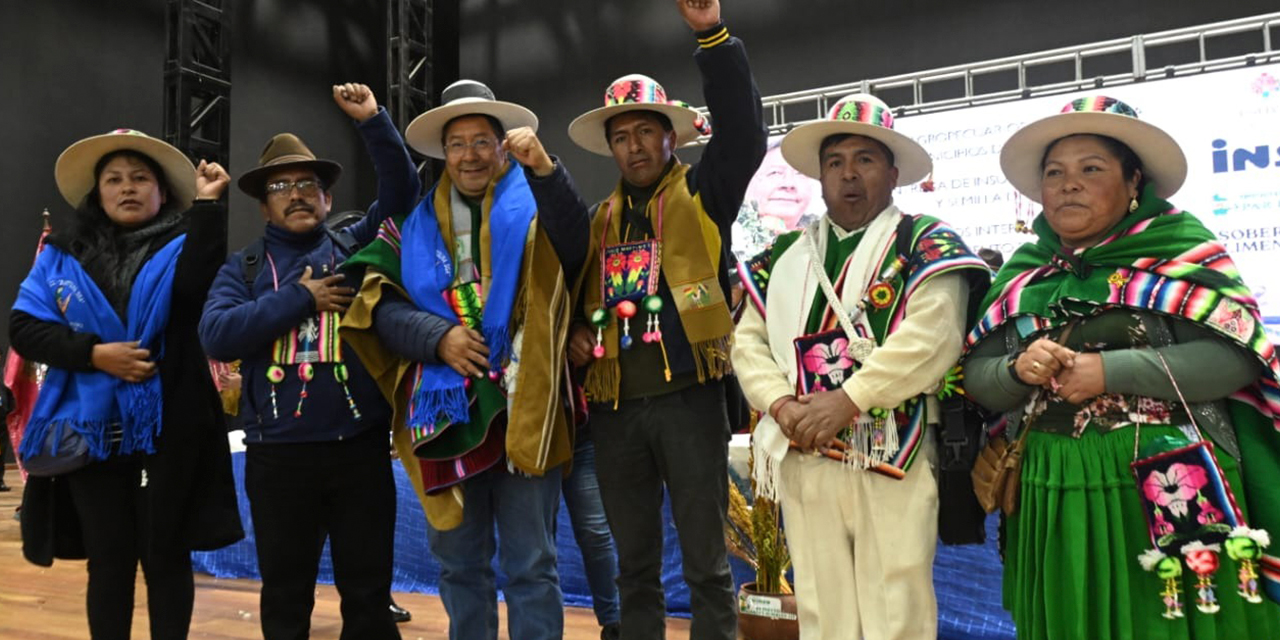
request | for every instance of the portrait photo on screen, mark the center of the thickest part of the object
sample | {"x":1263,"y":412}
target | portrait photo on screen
{"x":778,"y":199}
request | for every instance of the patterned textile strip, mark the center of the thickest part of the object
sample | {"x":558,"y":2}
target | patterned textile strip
{"x":390,"y":233}
{"x":931,"y":268}
{"x":1155,"y":284}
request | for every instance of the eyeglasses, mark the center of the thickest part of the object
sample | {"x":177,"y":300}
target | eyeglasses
{"x":306,"y":188}
{"x":482,"y":147}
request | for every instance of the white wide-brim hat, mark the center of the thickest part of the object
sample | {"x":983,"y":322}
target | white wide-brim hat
{"x":73,"y":172}
{"x":1163,"y":162}
{"x":635,"y":92}
{"x":463,"y":98}
{"x":859,"y":114}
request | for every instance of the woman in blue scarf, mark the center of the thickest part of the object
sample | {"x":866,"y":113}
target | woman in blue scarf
{"x":111,"y":306}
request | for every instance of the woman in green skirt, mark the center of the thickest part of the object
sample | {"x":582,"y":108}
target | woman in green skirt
{"x":1131,"y":364}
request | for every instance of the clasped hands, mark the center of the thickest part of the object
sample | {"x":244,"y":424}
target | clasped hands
{"x":1073,"y":376}
{"x":812,"y":421}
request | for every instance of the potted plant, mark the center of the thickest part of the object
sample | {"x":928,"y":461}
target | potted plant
{"x":766,"y":607}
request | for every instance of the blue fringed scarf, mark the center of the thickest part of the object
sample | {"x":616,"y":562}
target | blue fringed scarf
{"x":59,"y":290}
{"x":427,"y":271}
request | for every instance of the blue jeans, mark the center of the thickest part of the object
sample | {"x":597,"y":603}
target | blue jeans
{"x":591,"y":531}
{"x":523,"y":510}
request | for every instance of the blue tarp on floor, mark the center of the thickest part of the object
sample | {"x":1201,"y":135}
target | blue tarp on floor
{"x":967,"y":579}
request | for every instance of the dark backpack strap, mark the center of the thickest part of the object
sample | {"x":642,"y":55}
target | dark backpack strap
{"x":251,"y":262}
{"x":344,"y":240}
{"x":252,"y":255}
{"x":903,"y":240}
{"x":961,"y":519}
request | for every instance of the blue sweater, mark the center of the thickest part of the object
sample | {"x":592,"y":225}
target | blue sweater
{"x":242,"y":323}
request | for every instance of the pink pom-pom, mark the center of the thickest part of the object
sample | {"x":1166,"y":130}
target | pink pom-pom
{"x":598,"y":351}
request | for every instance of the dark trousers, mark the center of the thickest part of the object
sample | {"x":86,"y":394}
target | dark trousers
{"x":679,"y":440}
{"x":298,"y":494}
{"x":109,"y":499}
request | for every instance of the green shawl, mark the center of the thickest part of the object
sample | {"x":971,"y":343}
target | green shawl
{"x":1161,"y":260}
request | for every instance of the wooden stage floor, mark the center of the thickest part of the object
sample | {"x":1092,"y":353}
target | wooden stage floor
{"x":48,"y":604}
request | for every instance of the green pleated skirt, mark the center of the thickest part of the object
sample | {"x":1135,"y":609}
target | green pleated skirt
{"x":1071,"y":556}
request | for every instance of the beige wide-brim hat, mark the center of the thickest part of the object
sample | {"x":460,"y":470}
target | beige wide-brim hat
{"x":73,"y":171}
{"x":463,"y":98}
{"x":635,"y":92}
{"x":1163,"y":162}
{"x":859,"y":114}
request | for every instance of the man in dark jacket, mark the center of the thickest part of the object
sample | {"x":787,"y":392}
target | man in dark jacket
{"x":315,"y":424}
{"x":658,"y":413}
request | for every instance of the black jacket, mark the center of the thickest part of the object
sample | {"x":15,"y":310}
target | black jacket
{"x":720,"y":179}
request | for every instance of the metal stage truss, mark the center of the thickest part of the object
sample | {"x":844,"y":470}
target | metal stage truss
{"x":197,"y":79}
{"x":1186,"y":51}
{"x":410,"y":61}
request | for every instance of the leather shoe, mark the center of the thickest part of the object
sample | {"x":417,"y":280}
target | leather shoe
{"x":400,"y":614}
{"x":611,"y":631}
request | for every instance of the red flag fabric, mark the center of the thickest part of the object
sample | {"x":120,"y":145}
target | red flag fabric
{"x":23,"y":378}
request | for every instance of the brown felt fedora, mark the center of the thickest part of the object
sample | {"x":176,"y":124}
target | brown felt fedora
{"x":286,"y":151}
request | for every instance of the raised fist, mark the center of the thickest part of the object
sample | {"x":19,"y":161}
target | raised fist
{"x":700,"y":14}
{"x":356,"y":100}
{"x":523,"y":144}
{"x":211,"y":180}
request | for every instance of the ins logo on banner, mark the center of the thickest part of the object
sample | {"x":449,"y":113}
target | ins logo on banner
{"x":1242,"y":158}
{"x":1259,"y":156}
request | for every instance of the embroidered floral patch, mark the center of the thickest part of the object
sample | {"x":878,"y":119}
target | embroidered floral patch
{"x":630,"y":271}
{"x":1185,"y":497}
{"x":940,"y":244}
{"x":823,"y":360}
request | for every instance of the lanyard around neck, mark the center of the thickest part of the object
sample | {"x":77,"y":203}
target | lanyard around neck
{"x":608,"y":221}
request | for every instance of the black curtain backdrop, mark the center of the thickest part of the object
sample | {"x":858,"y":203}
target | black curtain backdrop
{"x":74,"y":68}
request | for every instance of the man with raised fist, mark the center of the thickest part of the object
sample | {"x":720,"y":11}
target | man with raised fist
{"x":462,"y":318}
{"x":316,"y":424}
{"x":658,"y":399}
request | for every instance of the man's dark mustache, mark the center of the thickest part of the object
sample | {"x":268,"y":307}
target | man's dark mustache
{"x":299,"y":207}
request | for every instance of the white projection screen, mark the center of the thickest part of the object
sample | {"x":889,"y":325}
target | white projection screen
{"x":1228,"y":124}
